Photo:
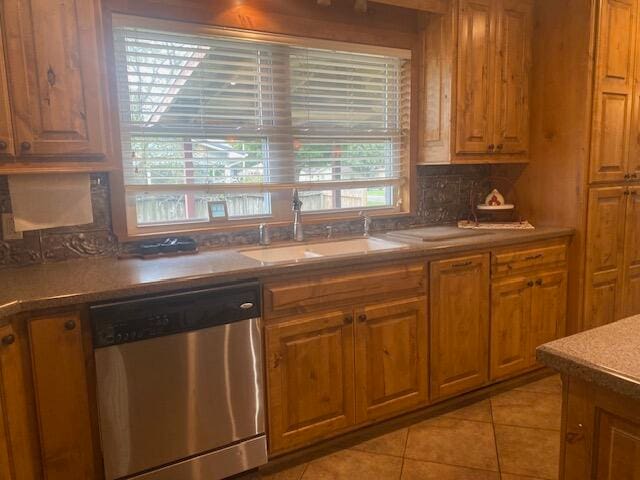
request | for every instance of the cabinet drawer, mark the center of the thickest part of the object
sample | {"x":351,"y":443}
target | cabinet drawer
{"x":504,"y":262}
{"x":307,"y":294}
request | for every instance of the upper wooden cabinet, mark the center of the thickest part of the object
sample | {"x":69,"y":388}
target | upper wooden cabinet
{"x":459,"y":322}
{"x":615,"y":108}
{"x":475,"y":98}
{"x":55,"y":74}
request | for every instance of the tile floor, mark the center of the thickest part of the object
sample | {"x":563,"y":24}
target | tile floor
{"x":511,"y":436}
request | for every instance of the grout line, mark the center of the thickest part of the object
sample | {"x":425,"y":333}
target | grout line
{"x":495,"y":438}
{"x":557,"y":430}
{"x":304,"y":470}
{"x":454,"y":465}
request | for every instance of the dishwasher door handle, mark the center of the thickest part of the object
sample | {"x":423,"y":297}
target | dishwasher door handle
{"x":247,"y":306}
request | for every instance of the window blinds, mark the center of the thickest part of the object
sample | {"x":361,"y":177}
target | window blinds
{"x":210,"y":110}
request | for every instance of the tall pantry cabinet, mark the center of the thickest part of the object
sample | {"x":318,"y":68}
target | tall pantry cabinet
{"x":585,"y":149}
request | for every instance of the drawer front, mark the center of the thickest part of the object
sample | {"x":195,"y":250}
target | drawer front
{"x":320,"y":292}
{"x":504,"y":262}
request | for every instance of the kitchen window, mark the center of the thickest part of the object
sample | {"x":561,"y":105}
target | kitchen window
{"x":214,"y":114}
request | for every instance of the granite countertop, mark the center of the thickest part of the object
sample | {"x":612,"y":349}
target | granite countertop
{"x":608,"y":356}
{"x":86,"y":281}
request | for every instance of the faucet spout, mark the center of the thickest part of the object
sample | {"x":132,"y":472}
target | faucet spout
{"x":366,"y":225}
{"x":298,"y":232}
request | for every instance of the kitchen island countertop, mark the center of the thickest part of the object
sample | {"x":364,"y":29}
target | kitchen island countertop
{"x":608,"y":356}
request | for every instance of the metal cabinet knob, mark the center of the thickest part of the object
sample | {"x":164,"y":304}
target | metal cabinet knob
{"x":348,"y":319}
{"x":8,"y":340}
{"x":362,"y":318}
{"x":627,"y":176}
{"x":530,"y":283}
{"x":3,"y":145}
{"x":500,"y":146}
{"x":539,"y":282}
{"x":491,"y":147}
{"x":26,"y":146}
{"x":70,"y":325}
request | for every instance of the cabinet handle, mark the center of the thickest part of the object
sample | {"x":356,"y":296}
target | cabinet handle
{"x":500,"y":146}
{"x":530,"y":283}
{"x":626,"y":192}
{"x":8,"y":340}
{"x":462,"y":265}
{"x":348,"y":320}
{"x":634,"y":175}
{"x":539,"y":282}
{"x":70,"y":325}
{"x":490,"y":147}
{"x":362,"y":317}
{"x":627,"y":176}
{"x":25,"y":146}
{"x":3,"y":145}
{"x":533,"y":257}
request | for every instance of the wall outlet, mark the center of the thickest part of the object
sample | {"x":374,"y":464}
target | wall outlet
{"x":8,"y":228}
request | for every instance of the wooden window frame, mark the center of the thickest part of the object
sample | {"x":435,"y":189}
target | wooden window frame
{"x":365,"y":36}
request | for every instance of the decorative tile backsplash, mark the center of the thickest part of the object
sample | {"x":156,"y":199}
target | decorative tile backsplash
{"x":442,"y":195}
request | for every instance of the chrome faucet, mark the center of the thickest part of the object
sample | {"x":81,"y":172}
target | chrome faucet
{"x":265,"y":235}
{"x":367,"y":223}
{"x":298,"y":233}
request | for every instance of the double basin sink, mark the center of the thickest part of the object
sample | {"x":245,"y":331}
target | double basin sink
{"x":356,"y":246}
{"x":308,"y":251}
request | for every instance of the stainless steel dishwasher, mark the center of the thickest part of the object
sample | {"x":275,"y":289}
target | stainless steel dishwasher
{"x":180,"y":384}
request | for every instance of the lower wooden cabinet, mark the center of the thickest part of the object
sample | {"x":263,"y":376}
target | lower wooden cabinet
{"x":19,"y":444}
{"x":510,"y":324}
{"x":631,"y":282}
{"x":330,"y":371}
{"x":526,"y":311}
{"x":62,"y":397}
{"x":605,"y":256}
{"x":310,"y":378}
{"x":459,"y":339}
{"x":391,"y":358}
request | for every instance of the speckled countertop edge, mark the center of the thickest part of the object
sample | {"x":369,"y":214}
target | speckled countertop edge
{"x":43,"y":286}
{"x":600,"y":356}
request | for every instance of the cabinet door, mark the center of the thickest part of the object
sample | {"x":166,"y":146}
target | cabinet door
{"x":618,"y":447}
{"x":310,"y":378}
{"x":459,"y":325}
{"x":613,"y":100}
{"x":55,"y":58}
{"x":62,"y":396}
{"x":631,"y":295}
{"x":604,"y":254}
{"x":510,"y":318}
{"x":19,"y":450}
{"x":6,"y":132}
{"x":513,"y":64}
{"x":548,"y":310}
{"x":391,"y":358}
{"x":475,"y":78}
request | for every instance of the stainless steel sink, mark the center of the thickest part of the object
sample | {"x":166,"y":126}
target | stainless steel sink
{"x":298,"y":253}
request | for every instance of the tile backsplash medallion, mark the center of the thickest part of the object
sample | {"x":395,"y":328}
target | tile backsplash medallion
{"x":442,"y":197}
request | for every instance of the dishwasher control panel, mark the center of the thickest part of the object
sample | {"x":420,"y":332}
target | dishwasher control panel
{"x":146,"y":318}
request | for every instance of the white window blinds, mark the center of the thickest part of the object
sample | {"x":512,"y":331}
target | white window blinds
{"x":223,"y":113}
